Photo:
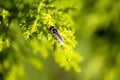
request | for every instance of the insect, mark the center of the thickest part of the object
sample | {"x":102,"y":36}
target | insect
{"x":56,"y":34}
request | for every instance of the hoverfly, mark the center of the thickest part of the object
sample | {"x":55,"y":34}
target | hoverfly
{"x":56,"y":34}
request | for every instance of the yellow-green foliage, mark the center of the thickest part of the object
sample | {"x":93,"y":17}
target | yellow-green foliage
{"x":25,"y":33}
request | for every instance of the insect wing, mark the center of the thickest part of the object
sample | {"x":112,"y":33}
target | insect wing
{"x":58,"y":37}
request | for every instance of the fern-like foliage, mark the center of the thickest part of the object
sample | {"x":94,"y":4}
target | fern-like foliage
{"x":25,"y":33}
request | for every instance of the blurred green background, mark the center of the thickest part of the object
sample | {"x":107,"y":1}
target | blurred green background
{"x":97,"y":25}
